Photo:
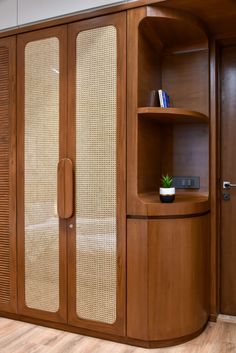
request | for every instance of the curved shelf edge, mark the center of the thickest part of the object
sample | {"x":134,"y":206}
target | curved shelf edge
{"x":185,"y":204}
{"x":186,"y":30}
{"x":172,"y":115}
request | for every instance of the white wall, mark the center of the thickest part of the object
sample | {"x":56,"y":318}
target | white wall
{"x":8,"y":13}
{"x":15,"y":13}
{"x":35,"y":10}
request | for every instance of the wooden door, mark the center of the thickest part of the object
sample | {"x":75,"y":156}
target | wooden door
{"x":96,"y":239}
{"x":42,"y":141}
{"x":7,"y":174}
{"x":228,"y":173}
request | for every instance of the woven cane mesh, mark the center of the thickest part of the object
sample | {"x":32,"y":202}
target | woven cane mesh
{"x":96,"y":234}
{"x":41,"y":158}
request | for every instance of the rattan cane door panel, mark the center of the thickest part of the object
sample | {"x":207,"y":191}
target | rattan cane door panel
{"x":7,"y":176}
{"x":41,"y":158}
{"x":43,"y":242}
{"x":95,"y":248}
{"x":96,"y":233}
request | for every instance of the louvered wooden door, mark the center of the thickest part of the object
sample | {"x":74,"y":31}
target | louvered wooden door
{"x":7,"y":175}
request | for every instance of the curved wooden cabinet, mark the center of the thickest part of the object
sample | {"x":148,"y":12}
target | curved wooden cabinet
{"x":168,"y":244}
{"x":167,"y":279}
{"x":185,"y":204}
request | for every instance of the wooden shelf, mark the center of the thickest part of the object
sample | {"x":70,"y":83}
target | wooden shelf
{"x":172,"y":115}
{"x":186,"y":203}
{"x":174,"y":28}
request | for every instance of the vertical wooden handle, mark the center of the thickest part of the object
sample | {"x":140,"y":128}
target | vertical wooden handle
{"x":65,"y":188}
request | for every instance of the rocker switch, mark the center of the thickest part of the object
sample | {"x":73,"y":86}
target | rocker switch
{"x":186,"y":182}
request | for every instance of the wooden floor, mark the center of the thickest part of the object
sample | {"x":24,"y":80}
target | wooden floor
{"x":19,"y":337}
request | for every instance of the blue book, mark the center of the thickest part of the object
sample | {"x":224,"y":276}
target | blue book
{"x":166,"y":100}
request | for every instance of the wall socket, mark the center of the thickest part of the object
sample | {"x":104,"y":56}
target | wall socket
{"x":186,"y":182}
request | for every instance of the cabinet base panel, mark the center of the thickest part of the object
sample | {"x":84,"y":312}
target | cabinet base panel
{"x":103,"y":335}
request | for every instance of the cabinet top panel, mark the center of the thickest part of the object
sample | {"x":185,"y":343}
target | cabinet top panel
{"x":218,"y":15}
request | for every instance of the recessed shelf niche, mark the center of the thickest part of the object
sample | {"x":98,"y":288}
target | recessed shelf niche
{"x":172,"y":55}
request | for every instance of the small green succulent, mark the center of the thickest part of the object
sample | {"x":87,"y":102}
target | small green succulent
{"x":166,"y":181}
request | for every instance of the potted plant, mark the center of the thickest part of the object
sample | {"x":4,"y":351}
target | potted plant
{"x":167,"y":191}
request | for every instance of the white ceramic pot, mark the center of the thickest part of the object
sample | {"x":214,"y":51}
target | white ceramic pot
{"x":167,"y":195}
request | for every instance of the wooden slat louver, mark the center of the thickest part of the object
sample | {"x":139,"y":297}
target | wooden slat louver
{"x":7,"y":176}
{"x":4,"y":178}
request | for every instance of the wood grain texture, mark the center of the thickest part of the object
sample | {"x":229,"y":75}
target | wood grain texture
{"x":137,"y":280}
{"x":134,"y":96}
{"x":186,"y":79}
{"x":148,"y":61}
{"x":65,"y":183}
{"x":167,"y":278}
{"x":176,"y":29}
{"x":217,"y":15}
{"x":185,"y":204}
{"x":20,"y":337}
{"x":214,"y":178}
{"x":160,"y":140}
{"x":228,"y":173}
{"x":91,"y":13}
{"x":172,"y":115}
{"x":8,"y":174}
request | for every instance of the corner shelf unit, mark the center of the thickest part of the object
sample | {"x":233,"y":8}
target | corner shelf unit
{"x":174,"y":140}
{"x":179,"y":129}
{"x":167,"y":244}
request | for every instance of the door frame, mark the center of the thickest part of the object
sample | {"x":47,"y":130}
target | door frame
{"x":220,"y":44}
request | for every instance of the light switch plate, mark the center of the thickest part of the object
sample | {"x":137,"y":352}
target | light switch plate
{"x":186,"y":182}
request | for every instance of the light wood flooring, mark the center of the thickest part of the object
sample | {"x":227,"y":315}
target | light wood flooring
{"x":19,"y":337}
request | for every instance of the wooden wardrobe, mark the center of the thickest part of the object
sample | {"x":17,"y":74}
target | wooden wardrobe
{"x":85,"y":243}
